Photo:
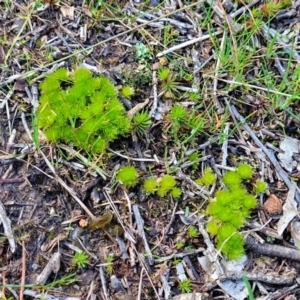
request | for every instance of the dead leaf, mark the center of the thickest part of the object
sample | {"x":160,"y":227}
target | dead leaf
{"x":289,"y":146}
{"x":289,"y":210}
{"x":67,"y":11}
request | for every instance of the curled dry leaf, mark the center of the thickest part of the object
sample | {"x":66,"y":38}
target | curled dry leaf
{"x":294,"y":229}
{"x":273,"y":205}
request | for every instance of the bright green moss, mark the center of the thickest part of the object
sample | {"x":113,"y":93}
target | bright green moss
{"x":86,"y":104}
{"x":212,"y":227}
{"x":213,"y":208}
{"x":176,"y":192}
{"x":208,"y":178}
{"x":223,"y":197}
{"x":150,"y":186}
{"x":233,"y":248}
{"x":230,"y":208}
{"x":245,"y":171}
{"x":166,"y":185}
{"x":232,"y":179}
{"x":260,"y":187}
{"x":128,"y":176}
{"x":249,"y":201}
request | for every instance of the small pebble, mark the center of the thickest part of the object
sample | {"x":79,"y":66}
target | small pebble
{"x":273,"y":205}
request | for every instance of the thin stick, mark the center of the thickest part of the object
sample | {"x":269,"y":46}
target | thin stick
{"x":23,"y":271}
{"x":68,"y":189}
{"x":188,"y":43}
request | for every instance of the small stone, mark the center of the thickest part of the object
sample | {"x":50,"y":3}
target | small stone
{"x":273,"y":205}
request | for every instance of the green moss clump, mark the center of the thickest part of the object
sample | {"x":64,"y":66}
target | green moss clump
{"x":81,"y":109}
{"x":232,"y":179}
{"x":229,"y":210}
{"x":260,"y":187}
{"x":245,"y":171}
{"x":150,"y":186}
{"x":208,"y":178}
{"x":166,"y":184}
{"x":128,"y":176}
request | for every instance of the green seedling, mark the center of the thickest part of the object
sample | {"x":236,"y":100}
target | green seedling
{"x":179,"y":245}
{"x":89,"y":116}
{"x":109,"y":269}
{"x":80,"y":259}
{"x":127,"y":91}
{"x":185,"y":286}
{"x":192,"y":232}
{"x":168,"y":82}
{"x":141,"y":122}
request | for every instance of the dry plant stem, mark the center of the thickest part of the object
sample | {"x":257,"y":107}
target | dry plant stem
{"x":272,"y":250}
{"x":218,"y":105}
{"x":243,"y":9}
{"x":178,"y":255}
{"x":188,"y":164}
{"x":205,"y":194}
{"x":225,"y":146}
{"x":6,"y":223}
{"x":27,"y":18}
{"x":141,"y":232}
{"x":165,"y":287}
{"x":103,"y":282}
{"x":211,"y":252}
{"x":140,"y":284}
{"x":23,"y":271}
{"x":167,"y":228}
{"x":188,"y":43}
{"x":154,"y":93}
{"x":84,"y":160}
{"x":138,"y":107}
{"x":269,"y":154}
{"x":7,"y":97}
{"x":129,"y":208}
{"x":192,"y":271}
{"x":128,"y":233}
{"x":26,"y":126}
{"x":235,"y":122}
{"x":279,"y":66}
{"x":53,"y":265}
{"x":131,"y":158}
{"x":68,"y":189}
{"x":282,"y":279}
{"x":32,"y":72}
{"x":282,"y":293}
{"x":255,"y":87}
{"x":122,"y":247}
{"x":36,"y":295}
{"x":263,"y":229}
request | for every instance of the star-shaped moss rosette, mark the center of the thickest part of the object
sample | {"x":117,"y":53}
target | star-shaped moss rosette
{"x":79,"y":109}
